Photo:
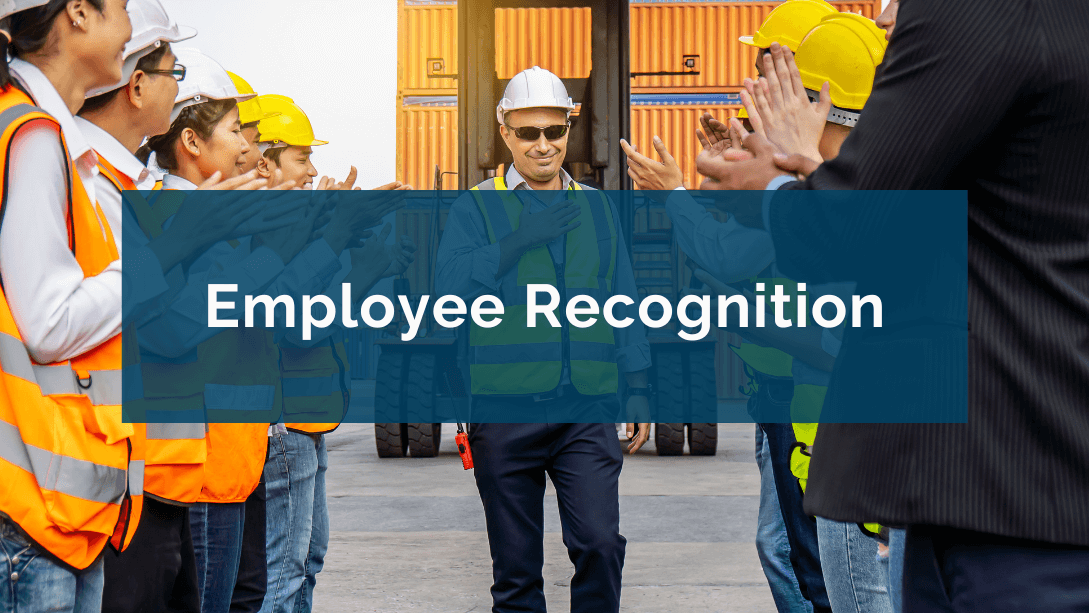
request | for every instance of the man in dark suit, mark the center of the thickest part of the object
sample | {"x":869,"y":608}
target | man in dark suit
{"x":992,"y":97}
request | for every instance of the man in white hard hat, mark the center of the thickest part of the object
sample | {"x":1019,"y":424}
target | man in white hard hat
{"x":537,"y":225}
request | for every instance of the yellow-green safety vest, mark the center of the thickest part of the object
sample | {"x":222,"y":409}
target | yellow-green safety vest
{"x":514,"y":359}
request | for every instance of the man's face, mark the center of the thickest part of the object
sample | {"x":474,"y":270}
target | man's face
{"x":252,"y":135}
{"x":538,"y":159}
{"x":159,"y":91}
{"x":295,"y":166}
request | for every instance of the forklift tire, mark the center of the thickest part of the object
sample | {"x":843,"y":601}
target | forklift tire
{"x":669,"y":439}
{"x":391,"y":440}
{"x":424,"y":440}
{"x":669,"y":397}
{"x":702,"y":439}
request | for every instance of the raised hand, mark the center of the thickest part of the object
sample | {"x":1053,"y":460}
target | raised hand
{"x":791,"y":122}
{"x":649,"y":174}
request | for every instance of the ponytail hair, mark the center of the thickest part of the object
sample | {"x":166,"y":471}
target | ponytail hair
{"x":29,"y":31}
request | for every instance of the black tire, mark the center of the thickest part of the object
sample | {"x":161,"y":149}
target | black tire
{"x":424,"y":440}
{"x":669,"y":439}
{"x":702,"y":439}
{"x":391,"y":439}
{"x":424,"y":436}
{"x":669,"y":397}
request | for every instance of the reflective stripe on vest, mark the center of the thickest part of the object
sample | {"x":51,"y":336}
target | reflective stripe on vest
{"x":64,"y":453}
{"x":514,"y":359}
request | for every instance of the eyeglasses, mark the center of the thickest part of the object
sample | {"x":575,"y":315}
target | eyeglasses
{"x":178,"y":72}
{"x":530,"y":133}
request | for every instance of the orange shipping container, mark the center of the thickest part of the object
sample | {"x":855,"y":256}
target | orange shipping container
{"x":662,"y":35}
{"x":558,"y":39}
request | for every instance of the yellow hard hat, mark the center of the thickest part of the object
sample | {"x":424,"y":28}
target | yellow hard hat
{"x":250,"y":110}
{"x":742,"y":113}
{"x":290,"y":127}
{"x":788,"y":23}
{"x":843,"y":49}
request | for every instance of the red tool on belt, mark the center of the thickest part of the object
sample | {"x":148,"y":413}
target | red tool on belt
{"x":461,"y":439}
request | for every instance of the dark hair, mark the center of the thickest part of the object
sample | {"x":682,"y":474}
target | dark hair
{"x":201,"y":118}
{"x":30,"y":30}
{"x":274,"y":154}
{"x":148,"y":62}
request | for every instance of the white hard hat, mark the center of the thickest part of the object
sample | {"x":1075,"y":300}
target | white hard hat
{"x":10,"y":7}
{"x":534,"y":88}
{"x":204,"y":80}
{"x":151,"y":27}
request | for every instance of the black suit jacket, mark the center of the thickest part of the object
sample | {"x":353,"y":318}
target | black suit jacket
{"x":992,"y":97}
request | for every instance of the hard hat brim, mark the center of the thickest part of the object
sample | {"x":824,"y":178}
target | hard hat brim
{"x":276,"y":144}
{"x":747,"y":40}
{"x":184,"y":33}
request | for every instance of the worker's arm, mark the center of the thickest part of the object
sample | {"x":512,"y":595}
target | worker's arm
{"x":804,"y":344}
{"x":632,"y":346}
{"x":727,"y":250}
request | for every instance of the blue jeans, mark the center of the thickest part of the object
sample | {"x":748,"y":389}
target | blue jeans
{"x":291,"y":476}
{"x":772,"y":545}
{"x":852,"y":575}
{"x":34,"y":583}
{"x":896,"y":568}
{"x":217,"y":543}
{"x":319,"y":535}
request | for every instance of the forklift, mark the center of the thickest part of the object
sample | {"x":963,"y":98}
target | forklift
{"x":426,"y":377}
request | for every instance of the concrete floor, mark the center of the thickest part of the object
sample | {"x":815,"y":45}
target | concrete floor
{"x":408,"y":534}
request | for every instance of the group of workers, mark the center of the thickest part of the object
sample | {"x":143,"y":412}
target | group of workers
{"x":226,"y":512}
{"x":108,"y":129}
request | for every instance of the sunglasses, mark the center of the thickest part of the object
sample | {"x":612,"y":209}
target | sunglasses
{"x":530,"y":133}
{"x":178,"y":72}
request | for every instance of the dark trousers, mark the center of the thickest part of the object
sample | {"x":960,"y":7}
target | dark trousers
{"x":948,"y":570}
{"x":157,"y":572}
{"x":584,"y":462}
{"x":773,"y":398}
{"x":249,"y":587}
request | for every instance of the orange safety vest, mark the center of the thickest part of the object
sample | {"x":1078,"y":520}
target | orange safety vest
{"x":316,"y":386}
{"x":70,"y":481}
{"x":174,"y":453}
{"x":238,"y":373}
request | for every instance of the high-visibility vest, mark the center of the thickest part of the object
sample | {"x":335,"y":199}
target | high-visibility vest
{"x":808,"y":398}
{"x":233,"y":376}
{"x":69,"y":481}
{"x":316,"y":387}
{"x":174,"y":452}
{"x":514,"y":359}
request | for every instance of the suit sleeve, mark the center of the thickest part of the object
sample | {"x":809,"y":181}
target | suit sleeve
{"x":950,"y":86}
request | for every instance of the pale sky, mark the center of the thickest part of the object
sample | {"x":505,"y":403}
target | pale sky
{"x":336,"y":58}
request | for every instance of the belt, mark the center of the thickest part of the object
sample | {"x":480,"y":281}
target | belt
{"x":559,"y":392}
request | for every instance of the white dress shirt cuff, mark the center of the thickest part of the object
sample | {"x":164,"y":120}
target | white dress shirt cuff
{"x":773,"y":185}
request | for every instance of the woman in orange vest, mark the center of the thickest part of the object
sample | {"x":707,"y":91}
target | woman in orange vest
{"x":68,"y":483}
{"x":236,"y":369}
